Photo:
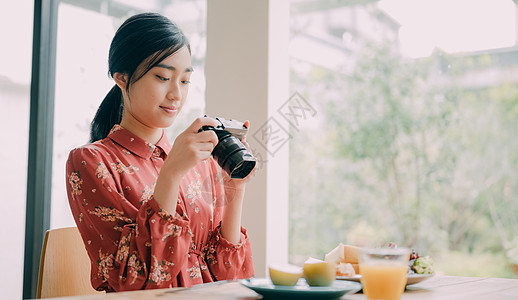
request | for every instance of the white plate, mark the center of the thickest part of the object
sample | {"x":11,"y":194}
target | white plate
{"x":350,"y":278}
{"x":416,"y":278}
{"x":410,"y":278}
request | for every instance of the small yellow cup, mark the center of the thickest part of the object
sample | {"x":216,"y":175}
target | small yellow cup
{"x":384,"y":272}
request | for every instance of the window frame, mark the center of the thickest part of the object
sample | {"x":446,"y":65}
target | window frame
{"x":41,"y":127}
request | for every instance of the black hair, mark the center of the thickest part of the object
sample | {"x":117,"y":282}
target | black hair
{"x":140,"y":43}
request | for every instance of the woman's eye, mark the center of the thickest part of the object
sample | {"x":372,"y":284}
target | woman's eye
{"x":162,"y":78}
{"x":186,"y":81}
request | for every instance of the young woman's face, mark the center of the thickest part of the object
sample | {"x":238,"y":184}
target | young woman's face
{"x":156,"y":99}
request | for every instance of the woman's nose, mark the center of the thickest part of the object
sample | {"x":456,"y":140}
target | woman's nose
{"x":174,"y":92}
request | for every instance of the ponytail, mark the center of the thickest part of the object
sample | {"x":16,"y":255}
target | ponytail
{"x":108,"y":114}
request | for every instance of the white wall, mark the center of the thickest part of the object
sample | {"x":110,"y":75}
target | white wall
{"x":247,"y":77}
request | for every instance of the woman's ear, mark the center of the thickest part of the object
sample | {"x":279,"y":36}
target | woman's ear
{"x":121,"y":80}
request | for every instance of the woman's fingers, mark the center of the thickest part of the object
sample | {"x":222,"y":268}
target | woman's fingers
{"x":208,"y":136}
{"x":245,"y":143}
{"x":200,"y":122}
{"x":198,"y":145}
{"x":247,"y":125}
{"x":205,"y":146}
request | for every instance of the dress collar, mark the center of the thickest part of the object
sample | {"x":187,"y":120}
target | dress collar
{"x":136,"y":145}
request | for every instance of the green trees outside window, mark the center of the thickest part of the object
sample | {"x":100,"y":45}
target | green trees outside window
{"x":420,"y":152}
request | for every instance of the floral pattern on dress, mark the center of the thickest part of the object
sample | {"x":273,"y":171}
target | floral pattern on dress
{"x":203,"y":267}
{"x":109,"y":214}
{"x":124,"y":245}
{"x":168,"y":217}
{"x":159,"y":270}
{"x":120,"y":168}
{"x":136,"y":267}
{"x":210,"y":255}
{"x":173,"y":230}
{"x":102,"y":172}
{"x":115,"y":128}
{"x":75,"y":182}
{"x":147,"y":192}
{"x":104,"y":265}
{"x":193,"y":192}
{"x":194,"y":271}
{"x":151,"y":147}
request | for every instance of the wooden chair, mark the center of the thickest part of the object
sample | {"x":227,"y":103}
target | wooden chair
{"x":64,"y":265}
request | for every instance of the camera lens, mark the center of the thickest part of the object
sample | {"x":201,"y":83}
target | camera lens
{"x":232,"y":155}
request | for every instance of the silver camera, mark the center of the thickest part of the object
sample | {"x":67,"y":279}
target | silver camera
{"x":230,"y":153}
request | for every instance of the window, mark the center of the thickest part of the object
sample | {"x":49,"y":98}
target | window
{"x":85,"y":30}
{"x":413,"y":136}
{"x":15,"y":78}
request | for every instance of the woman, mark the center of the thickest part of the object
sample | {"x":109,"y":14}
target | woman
{"x":153,"y":215}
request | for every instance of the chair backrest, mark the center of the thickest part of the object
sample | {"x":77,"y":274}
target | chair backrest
{"x":64,"y":265}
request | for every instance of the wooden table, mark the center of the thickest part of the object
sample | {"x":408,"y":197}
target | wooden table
{"x":437,"y":287}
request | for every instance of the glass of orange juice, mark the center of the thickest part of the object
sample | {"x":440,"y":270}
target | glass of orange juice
{"x":384,"y":272}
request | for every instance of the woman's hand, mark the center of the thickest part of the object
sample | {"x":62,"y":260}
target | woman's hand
{"x":234,"y":192}
{"x":189,"y":148}
{"x":237,"y":183}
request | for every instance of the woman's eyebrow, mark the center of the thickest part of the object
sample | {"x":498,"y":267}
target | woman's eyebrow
{"x":190,"y":69}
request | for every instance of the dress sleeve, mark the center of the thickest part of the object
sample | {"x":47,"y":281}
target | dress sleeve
{"x":225,"y":259}
{"x":145,"y":251}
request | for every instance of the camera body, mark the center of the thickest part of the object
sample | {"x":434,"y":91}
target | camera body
{"x":230,"y":153}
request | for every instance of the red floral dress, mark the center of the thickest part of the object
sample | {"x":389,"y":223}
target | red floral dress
{"x":134,"y":244}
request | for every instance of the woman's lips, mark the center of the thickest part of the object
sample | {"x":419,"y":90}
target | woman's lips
{"x":168,"y":109}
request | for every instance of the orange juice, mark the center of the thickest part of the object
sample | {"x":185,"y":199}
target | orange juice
{"x":383,"y":280}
